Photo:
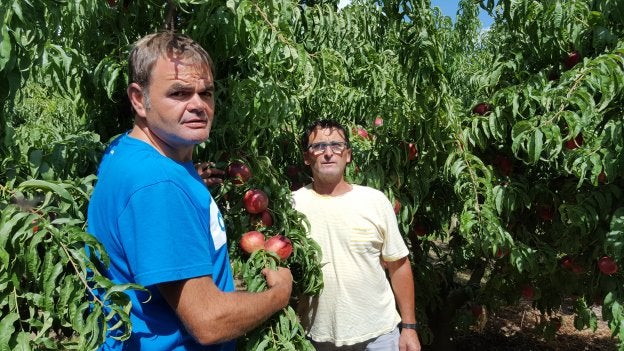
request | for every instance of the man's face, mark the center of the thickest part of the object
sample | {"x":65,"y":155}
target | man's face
{"x":180,"y":106}
{"x":328,"y":165}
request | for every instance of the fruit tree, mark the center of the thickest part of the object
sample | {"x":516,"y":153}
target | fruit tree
{"x":501,"y":148}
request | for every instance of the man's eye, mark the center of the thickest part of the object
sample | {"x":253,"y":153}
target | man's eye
{"x":178,"y":93}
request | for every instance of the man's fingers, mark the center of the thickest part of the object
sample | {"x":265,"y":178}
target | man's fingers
{"x":210,"y":175}
{"x":213,"y":181}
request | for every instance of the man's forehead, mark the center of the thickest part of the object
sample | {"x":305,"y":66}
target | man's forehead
{"x":179,"y":69}
{"x":326,"y":131}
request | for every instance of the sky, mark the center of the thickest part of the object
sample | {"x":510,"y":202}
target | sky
{"x":449,"y":8}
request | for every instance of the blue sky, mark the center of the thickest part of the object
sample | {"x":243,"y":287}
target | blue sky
{"x":449,"y":8}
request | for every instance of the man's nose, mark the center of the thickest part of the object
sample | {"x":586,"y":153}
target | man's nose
{"x":196,"y":105}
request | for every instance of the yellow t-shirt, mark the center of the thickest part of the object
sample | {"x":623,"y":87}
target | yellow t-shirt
{"x":355,"y":231}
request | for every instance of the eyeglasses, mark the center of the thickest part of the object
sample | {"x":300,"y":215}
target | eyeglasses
{"x":336,"y":147}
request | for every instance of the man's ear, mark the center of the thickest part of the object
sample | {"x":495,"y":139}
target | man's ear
{"x":349,"y":156}
{"x":137,"y":99}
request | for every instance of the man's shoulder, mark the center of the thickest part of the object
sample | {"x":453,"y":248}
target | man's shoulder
{"x":368,"y":195}
{"x":367,"y":190}
{"x":303,"y":190}
{"x":132,"y":165}
{"x":302,"y":197}
{"x":129,"y":156}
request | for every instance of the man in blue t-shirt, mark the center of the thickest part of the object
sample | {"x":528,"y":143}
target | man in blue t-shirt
{"x":157,"y":220}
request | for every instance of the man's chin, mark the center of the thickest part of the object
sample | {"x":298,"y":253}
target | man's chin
{"x":198,"y":137}
{"x":331,"y":176}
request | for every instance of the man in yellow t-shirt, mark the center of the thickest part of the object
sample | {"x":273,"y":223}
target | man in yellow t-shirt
{"x":357,"y":231}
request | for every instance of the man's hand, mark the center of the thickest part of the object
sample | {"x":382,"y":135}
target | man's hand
{"x":409,"y":340}
{"x":211,"y":176}
{"x":280,"y":281}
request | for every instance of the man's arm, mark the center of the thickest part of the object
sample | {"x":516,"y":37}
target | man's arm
{"x":402,"y":280}
{"x":212,"y":316}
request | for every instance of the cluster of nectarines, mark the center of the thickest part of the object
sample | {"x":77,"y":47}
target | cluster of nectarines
{"x":256,"y":203}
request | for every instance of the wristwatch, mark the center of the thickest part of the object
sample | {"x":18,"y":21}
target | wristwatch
{"x":409,"y":325}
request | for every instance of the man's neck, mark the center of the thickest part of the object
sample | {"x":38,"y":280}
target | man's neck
{"x":143,"y":133}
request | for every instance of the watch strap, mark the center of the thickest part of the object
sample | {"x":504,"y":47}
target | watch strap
{"x":409,"y":326}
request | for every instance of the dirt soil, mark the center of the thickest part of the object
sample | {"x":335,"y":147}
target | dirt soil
{"x":512,"y":329}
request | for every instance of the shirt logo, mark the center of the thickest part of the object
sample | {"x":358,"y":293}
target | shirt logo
{"x":217,"y":227}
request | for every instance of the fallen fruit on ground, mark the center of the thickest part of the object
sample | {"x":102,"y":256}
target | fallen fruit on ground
{"x":556,"y":323}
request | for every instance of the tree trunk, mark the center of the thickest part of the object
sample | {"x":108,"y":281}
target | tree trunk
{"x":441,"y":319}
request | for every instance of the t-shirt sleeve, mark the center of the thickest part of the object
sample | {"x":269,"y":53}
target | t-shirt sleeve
{"x":162,"y":236}
{"x":394,"y":246}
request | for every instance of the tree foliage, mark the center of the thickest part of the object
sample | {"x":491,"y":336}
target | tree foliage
{"x":508,"y":193}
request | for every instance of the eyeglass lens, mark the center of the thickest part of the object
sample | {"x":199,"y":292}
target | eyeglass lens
{"x":335,"y":146}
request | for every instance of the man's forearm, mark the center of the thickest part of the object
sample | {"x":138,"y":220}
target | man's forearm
{"x":213,"y":316}
{"x":239,"y":313}
{"x":402,"y":282}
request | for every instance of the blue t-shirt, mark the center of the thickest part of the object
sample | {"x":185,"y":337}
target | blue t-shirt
{"x":158,"y":223}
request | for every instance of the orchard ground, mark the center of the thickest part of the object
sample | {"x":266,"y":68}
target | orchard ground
{"x":512,"y":329}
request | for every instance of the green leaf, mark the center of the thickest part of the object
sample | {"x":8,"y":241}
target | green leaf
{"x":535,"y":146}
{"x":5,"y":47}
{"x":48,"y":186}
{"x":7,"y":329}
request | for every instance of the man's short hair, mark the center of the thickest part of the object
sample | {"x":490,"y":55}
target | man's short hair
{"x":322,"y":124}
{"x":147,"y":50}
